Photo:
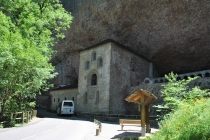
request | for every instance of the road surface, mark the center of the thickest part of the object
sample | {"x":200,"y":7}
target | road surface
{"x":51,"y":127}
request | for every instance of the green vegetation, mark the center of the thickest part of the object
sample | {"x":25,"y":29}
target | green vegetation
{"x":28,"y":31}
{"x":176,"y":92}
{"x":187,"y":122}
{"x":188,"y":111}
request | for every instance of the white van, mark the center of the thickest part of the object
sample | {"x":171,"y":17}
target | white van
{"x":65,"y":107}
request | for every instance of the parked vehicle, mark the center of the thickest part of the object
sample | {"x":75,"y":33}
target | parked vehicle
{"x":65,"y":107}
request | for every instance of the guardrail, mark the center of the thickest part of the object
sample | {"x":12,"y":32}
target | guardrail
{"x":18,"y":117}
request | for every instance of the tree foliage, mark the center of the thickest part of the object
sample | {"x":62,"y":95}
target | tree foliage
{"x":176,"y":92}
{"x":28,"y":30}
{"x":190,"y":121}
{"x":187,"y":107}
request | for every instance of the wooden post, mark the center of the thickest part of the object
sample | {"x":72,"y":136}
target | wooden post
{"x":147,"y":119}
{"x":32,"y":114}
{"x":22,"y":118}
{"x":29,"y":115}
{"x":97,"y":131}
{"x":11,"y":117}
{"x":142,"y":116}
{"x":100,"y":127}
{"x":26,"y":116}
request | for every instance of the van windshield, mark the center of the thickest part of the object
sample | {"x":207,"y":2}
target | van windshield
{"x":67,"y":104}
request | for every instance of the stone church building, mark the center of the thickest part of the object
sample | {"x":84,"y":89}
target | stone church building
{"x":108,"y":73}
{"x":107,"y":70}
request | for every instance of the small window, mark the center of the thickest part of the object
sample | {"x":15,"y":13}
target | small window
{"x":100,"y":62}
{"x":58,"y":100}
{"x":72,"y":98}
{"x":87,"y":65}
{"x":54,"y":99}
{"x":65,"y":98}
{"x":94,"y":79}
{"x":94,"y":56}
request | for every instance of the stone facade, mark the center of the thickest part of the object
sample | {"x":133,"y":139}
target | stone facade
{"x":108,"y":73}
{"x":87,"y":92}
{"x":63,"y":93}
{"x":127,"y":69}
{"x":121,"y":69}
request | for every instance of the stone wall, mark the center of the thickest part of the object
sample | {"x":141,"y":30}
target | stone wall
{"x":88,"y":102}
{"x":126,"y":69}
{"x":58,"y":96}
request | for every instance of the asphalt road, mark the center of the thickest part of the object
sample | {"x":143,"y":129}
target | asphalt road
{"x":50,"y":127}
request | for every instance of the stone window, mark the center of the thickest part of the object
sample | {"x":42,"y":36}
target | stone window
{"x":65,"y":98}
{"x":100,"y":62}
{"x":58,"y":100}
{"x":85,"y":98}
{"x":54,"y":99}
{"x":207,"y":74}
{"x":94,"y":56}
{"x":94,"y":79}
{"x":87,"y":65}
{"x":72,"y":98}
{"x":97,"y":97}
{"x":200,"y":75}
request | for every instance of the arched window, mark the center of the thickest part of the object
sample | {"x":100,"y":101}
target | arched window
{"x":94,"y":79}
{"x":207,"y":74}
{"x":100,"y":62}
{"x":200,"y":75}
{"x":178,"y":78}
{"x":94,"y":56}
{"x":87,"y":65}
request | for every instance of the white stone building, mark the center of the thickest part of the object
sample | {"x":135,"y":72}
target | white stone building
{"x":107,"y":70}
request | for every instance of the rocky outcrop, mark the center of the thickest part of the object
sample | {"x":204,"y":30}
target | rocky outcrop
{"x":174,"y":35}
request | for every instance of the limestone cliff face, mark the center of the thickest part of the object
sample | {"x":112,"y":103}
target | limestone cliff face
{"x":173,"y":34}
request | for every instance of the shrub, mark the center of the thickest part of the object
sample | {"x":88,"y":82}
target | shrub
{"x":176,"y":92}
{"x":190,"y":121}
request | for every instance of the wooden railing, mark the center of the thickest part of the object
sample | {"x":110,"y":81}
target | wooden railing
{"x":18,"y":117}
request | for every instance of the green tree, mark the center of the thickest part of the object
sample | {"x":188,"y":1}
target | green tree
{"x":175,"y":92}
{"x":28,"y":30}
